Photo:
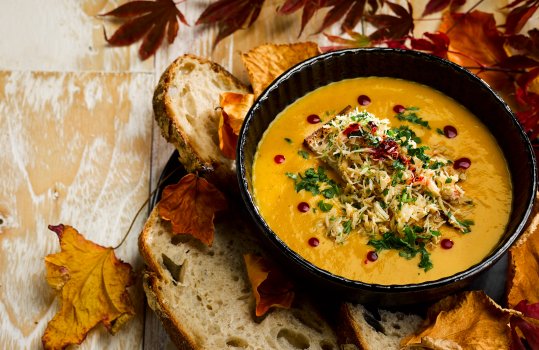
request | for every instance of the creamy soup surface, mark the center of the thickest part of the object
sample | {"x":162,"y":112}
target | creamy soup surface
{"x":281,"y":152}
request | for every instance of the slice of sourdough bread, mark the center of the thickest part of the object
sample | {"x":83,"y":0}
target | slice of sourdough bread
{"x":185,"y":104}
{"x":376,"y":329}
{"x":204,"y":299}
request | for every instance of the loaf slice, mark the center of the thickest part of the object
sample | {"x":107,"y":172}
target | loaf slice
{"x":185,"y":104}
{"x":376,"y":329}
{"x":204,"y":299}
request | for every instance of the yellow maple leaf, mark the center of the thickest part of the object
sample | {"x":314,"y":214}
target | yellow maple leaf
{"x":92,"y":283}
{"x":469,"y":320}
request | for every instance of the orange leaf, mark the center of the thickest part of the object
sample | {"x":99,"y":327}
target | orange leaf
{"x":190,"y":206}
{"x":470,"y":320}
{"x":234,"y":108}
{"x":92,"y":282}
{"x":476,"y":42}
{"x":523,"y":270}
{"x":270,"y":286}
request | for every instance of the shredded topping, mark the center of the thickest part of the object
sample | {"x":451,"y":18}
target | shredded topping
{"x":393,"y":190}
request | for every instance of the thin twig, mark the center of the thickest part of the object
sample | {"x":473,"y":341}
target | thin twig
{"x":143,"y":205}
{"x":496,"y":69}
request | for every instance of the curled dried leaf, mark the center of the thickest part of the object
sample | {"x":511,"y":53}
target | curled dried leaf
{"x":190,"y":206}
{"x":266,"y":62}
{"x":92,"y":283}
{"x":234,"y":108}
{"x":271,"y":287}
{"x":523,"y":269}
{"x":471,"y":320}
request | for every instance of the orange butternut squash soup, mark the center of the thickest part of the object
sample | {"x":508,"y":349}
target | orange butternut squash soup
{"x":403,"y":186}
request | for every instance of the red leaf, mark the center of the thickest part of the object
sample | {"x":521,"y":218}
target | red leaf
{"x":436,"y":43}
{"x":392,"y":27}
{"x":337,"y":12}
{"x":148,"y":19}
{"x":525,"y":325}
{"x":434,"y":6}
{"x":526,"y":45}
{"x":230,"y":16}
{"x":518,"y":16}
{"x":355,"y":14}
{"x":518,"y":62}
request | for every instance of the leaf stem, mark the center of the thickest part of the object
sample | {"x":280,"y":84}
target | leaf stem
{"x":497,"y":69}
{"x":142,"y":207}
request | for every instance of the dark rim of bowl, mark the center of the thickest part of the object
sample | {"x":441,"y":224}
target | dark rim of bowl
{"x":476,"y":269}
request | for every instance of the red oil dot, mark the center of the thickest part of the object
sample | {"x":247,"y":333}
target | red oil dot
{"x":314,"y":242}
{"x":303,"y":207}
{"x":446,"y":243}
{"x":364,"y":100}
{"x":399,"y":109}
{"x":372,"y":256}
{"x":313,"y":119}
{"x":450,"y":131}
{"x":462,"y":163}
{"x":279,"y":159}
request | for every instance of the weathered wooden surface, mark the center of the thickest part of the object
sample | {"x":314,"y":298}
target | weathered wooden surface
{"x":79,"y":145}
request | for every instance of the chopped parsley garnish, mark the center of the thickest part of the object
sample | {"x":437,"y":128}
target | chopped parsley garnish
{"x":288,"y":140}
{"x":325,"y":207}
{"x":411,"y":116}
{"x":409,"y":243}
{"x":448,"y":180}
{"x":312,"y":180}
{"x":440,"y":131}
{"x":303,"y":154}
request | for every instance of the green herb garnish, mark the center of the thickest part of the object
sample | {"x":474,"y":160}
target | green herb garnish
{"x":411,"y":116}
{"x":325,"y":207}
{"x":303,"y":154}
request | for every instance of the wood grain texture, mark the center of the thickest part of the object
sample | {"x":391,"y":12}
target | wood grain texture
{"x":76,"y":150}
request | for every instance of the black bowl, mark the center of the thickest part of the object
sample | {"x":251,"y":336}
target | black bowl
{"x":440,"y":74}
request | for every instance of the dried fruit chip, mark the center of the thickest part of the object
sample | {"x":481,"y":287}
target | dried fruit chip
{"x":270,"y":286}
{"x":471,"y":320}
{"x":523,"y":277}
{"x":266,"y":62}
{"x":190,"y":206}
{"x":92,"y":282}
{"x":234,"y":108}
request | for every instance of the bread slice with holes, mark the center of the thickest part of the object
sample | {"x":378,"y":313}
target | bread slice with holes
{"x":185,"y":104}
{"x":203,"y":296}
{"x":373,"y":329}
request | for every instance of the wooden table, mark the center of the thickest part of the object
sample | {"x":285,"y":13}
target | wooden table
{"x":80,"y":147}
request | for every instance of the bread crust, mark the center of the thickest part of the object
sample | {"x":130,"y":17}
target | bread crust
{"x":217,"y":168}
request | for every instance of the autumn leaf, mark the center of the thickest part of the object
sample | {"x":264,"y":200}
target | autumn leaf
{"x":392,"y":27}
{"x":190,"y":206}
{"x":434,"y":6}
{"x":470,"y":319}
{"x":356,"y":40}
{"x":523,"y":269}
{"x":92,"y":283}
{"x":527,"y":324}
{"x":528,"y":100}
{"x":234,"y":108}
{"x":476,"y":43}
{"x":310,"y":7}
{"x":266,"y":62}
{"x":270,"y":287}
{"x":230,"y":16}
{"x":434,"y":43}
{"x":519,"y":15}
{"x":151,"y":20}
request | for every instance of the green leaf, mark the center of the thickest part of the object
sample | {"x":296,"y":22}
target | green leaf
{"x":325,"y":207}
